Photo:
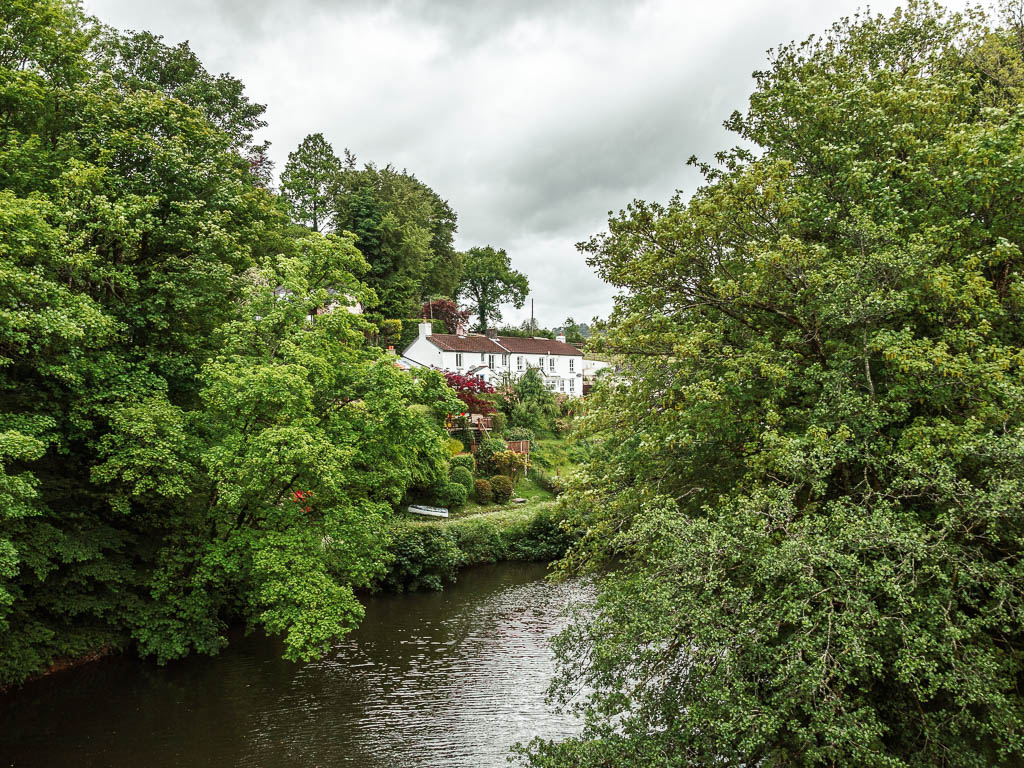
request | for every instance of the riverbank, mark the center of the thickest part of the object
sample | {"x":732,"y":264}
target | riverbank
{"x":428,"y":554}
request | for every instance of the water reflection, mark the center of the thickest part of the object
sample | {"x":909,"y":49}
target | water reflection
{"x":439,"y":679}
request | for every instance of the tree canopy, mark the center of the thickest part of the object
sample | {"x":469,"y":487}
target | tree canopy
{"x":308,"y":177}
{"x":488,"y":281}
{"x":170,"y":378}
{"x":809,"y":485}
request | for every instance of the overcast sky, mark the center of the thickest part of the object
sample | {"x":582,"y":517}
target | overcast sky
{"x":533,"y":119}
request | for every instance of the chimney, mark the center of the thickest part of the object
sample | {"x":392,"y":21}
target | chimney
{"x":560,"y":338}
{"x":492,"y":333}
{"x":426,"y":329}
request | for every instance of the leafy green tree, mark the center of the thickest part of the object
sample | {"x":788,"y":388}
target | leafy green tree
{"x":488,"y":281}
{"x":808,"y":471}
{"x":308,"y":177}
{"x":405,"y":231}
{"x":163,"y":393}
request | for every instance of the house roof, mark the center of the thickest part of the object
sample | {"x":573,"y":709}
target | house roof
{"x":502,"y":345}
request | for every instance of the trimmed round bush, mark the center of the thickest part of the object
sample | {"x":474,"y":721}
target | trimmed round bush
{"x":456,"y":494}
{"x":463,"y":460}
{"x":463,"y":477}
{"x":501,"y":488}
{"x":482,"y":491}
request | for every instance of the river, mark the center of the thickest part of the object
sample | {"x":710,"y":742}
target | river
{"x":429,"y":679}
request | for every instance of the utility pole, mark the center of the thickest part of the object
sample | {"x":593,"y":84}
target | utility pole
{"x":533,"y":326}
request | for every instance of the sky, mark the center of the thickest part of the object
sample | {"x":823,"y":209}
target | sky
{"x":533,"y":119}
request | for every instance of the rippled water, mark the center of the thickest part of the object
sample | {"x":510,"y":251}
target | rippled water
{"x":437,"y":679}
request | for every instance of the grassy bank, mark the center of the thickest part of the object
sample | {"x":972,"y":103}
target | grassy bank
{"x":430,"y":553}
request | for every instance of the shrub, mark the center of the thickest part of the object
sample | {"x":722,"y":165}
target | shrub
{"x":464,"y":460}
{"x":501,"y":488}
{"x":456,"y":494}
{"x":482,"y":491}
{"x":498,"y":422}
{"x":390,"y":332}
{"x":480,"y":541}
{"x":455,"y":447}
{"x":488,"y":448}
{"x":508,"y":463}
{"x":520,"y":433}
{"x":422,"y":558}
{"x":462,"y":476}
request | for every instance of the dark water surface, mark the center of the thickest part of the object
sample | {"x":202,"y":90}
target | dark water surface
{"x":430,"y":679}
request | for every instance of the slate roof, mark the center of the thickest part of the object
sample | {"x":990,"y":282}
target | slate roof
{"x":502,"y":345}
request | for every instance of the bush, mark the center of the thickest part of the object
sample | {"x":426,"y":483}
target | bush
{"x":498,"y":422}
{"x":501,"y":488}
{"x":463,"y":477}
{"x":482,"y":491}
{"x":508,"y":463}
{"x":422,"y":558}
{"x":455,"y":447}
{"x":464,"y":460}
{"x":520,"y":433}
{"x":390,"y":332}
{"x":487,"y":450}
{"x":480,"y":541}
{"x":457,"y":494}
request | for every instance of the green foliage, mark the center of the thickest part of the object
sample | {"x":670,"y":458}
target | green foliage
{"x":405,"y":231}
{"x":464,"y":477}
{"x":428,"y":555}
{"x":808,"y":473}
{"x":454,"y":447}
{"x":514,"y":434}
{"x":390,"y":332}
{"x":528,"y":403}
{"x":310,"y":173}
{"x":501,"y":488}
{"x":166,"y":393}
{"x":551,"y":483}
{"x":422,"y":558}
{"x":482,"y":492}
{"x":507,"y":463}
{"x":498,"y":422}
{"x":465,"y":460}
{"x":488,"y":281}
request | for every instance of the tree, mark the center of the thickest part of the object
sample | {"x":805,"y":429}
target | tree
{"x":488,"y":281}
{"x":311,"y":172}
{"x":405,"y":231}
{"x":448,"y":312}
{"x":807,"y":475}
{"x":468,"y":389}
{"x":164,"y":396}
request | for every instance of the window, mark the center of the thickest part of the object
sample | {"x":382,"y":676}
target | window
{"x":572,"y":364}
{"x":561,"y":385}
{"x":551,"y":363}
{"x":519,"y":362}
{"x":572,"y":385}
{"x":540,"y":361}
{"x":504,"y":361}
{"x":482,"y":357}
{"x":490,"y":362}
{"x":458,"y":359}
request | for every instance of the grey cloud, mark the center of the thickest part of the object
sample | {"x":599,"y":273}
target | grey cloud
{"x":533,"y":118}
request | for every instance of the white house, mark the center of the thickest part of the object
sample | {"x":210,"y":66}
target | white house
{"x":490,"y":356}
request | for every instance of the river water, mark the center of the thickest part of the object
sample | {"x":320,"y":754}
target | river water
{"x":445,"y":679}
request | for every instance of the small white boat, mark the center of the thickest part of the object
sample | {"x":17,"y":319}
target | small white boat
{"x":419,"y":509}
